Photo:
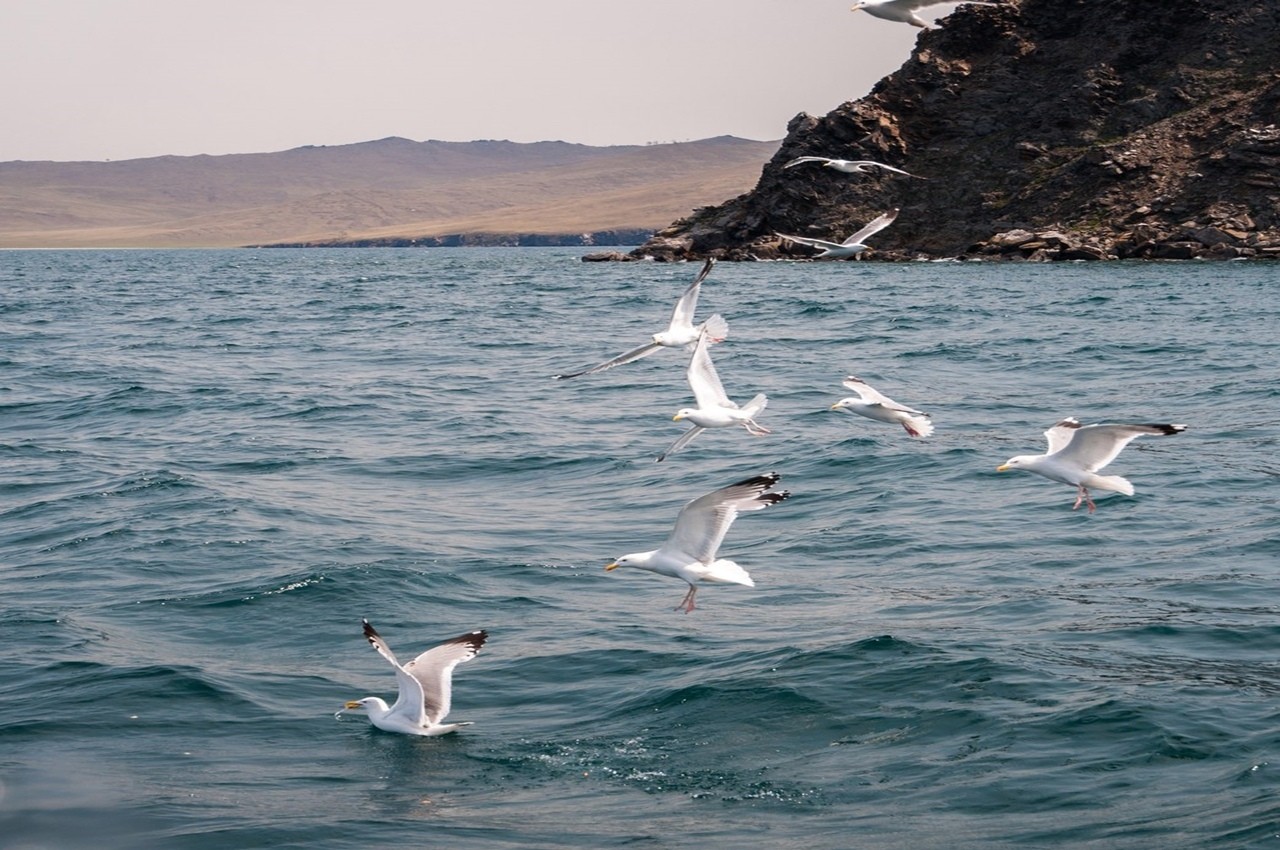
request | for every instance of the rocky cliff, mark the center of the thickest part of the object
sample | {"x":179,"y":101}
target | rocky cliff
{"x":1046,"y":129}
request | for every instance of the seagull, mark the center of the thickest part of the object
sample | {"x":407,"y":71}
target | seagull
{"x":849,"y":166}
{"x":681,"y":331}
{"x":904,"y":11}
{"x":715,"y":409}
{"x":851,"y":247}
{"x":873,"y":405}
{"x":690,"y":552}
{"x":1078,"y":451}
{"x":424,"y":686}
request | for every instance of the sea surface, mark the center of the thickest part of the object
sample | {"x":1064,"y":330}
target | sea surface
{"x":215,"y":463}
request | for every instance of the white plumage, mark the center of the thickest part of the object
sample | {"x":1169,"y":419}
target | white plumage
{"x":1076,"y":452}
{"x":850,"y":247}
{"x":873,"y":405}
{"x":690,"y":552}
{"x":425,"y":686}
{"x":715,"y":409}
{"x":904,"y":11}
{"x":681,"y":332}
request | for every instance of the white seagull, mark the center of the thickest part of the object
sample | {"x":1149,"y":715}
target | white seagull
{"x":851,"y":247}
{"x":849,"y":166}
{"x":690,"y":552}
{"x":904,"y":11}
{"x":424,"y":686}
{"x":715,"y":409}
{"x":873,"y":405}
{"x":680,"y":332}
{"x":1077,"y":452}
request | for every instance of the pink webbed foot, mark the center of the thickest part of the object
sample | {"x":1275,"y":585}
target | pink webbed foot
{"x":686,"y":605}
{"x":1082,"y":497}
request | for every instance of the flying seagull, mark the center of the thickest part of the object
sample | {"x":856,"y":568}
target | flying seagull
{"x":849,"y":166}
{"x":680,"y":332}
{"x":1076,"y":452}
{"x":424,"y":686}
{"x":690,"y":552}
{"x":873,"y":405}
{"x":715,"y":409}
{"x":851,"y":247}
{"x":904,"y":11}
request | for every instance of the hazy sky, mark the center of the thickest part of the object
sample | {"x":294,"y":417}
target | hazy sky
{"x":118,"y":79}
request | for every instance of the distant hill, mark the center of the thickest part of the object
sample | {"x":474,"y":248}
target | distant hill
{"x":390,"y":191}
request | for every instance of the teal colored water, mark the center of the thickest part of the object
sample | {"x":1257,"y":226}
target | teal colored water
{"x":216,"y":463}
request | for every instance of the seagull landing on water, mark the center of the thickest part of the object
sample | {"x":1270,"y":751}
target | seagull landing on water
{"x":715,"y":409}
{"x":680,"y":332}
{"x":851,"y":247}
{"x":849,"y":166}
{"x":904,"y":11}
{"x":425,"y":685}
{"x":1077,"y":452}
{"x":881,"y":408}
{"x":690,"y":551}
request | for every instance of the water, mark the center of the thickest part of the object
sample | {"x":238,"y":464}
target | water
{"x":215,"y":463}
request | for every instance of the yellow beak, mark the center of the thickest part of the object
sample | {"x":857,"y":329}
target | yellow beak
{"x":676,"y":418}
{"x":1004,"y":467}
{"x":352,"y":705}
{"x":609,"y":567}
{"x":835,"y":406}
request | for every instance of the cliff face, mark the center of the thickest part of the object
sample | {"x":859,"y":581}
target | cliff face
{"x":1049,"y":129}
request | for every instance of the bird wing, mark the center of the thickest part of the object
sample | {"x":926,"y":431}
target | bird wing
{"x":703,"y":379}
{"x":433,"y":671}
{"x":884,"y":167}
{"x":626,"y":357}
{"x":874,"y":227}
{"x":703,"y":522}
{"x":873,"y":396}
{"x":1061,"y":433}
{"x":1094,"y":446}
{"x":682,"y":315}
{"x":803,"y":159}
{"x":409,"y":690}
{"x":683,"y":440}
{"x":812,"y":243}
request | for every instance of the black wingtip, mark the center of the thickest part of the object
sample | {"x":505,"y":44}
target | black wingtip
{"x":475,"y":639}
{"x":1169,"y":430}
{"x":369,"y":632}
{"x":767,"y":479}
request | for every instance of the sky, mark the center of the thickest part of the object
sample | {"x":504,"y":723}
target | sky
{"x":123,"y":79}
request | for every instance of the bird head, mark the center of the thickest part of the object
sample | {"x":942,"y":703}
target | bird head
{"x":1019,"y":462}
{"x":861,"y":4}
{"x":845,"y":403}
{"x":683,"y":413}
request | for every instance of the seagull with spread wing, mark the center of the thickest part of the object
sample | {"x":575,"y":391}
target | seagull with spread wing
{"x":849,"y":166}
{"x":873,"y":405}
{"x":681,"y":332}
{"x":1076,"y":453}
{"x":715,"y":409}
{"x":904,"y":11}
{"x":689,"y":553}
{"x":851,"y":247}
{"x":425,"y":686}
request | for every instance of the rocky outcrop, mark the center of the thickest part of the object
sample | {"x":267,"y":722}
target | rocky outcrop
{"x":1047,"y":130}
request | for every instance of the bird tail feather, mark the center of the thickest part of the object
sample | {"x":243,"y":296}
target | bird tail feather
{"x":727,"y":572}
{"x":1111,"y":482}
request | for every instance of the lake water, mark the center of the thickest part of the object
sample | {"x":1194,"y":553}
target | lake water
{"x":216,"y":463}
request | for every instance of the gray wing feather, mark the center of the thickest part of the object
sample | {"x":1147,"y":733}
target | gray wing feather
{"x":433,"y":670}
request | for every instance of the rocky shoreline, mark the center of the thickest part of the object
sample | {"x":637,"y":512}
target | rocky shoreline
{"x":1048,"y":130}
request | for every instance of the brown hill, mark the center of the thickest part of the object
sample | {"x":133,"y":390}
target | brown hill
{"x":383,"y":191}
{"x":1048,"y":129}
